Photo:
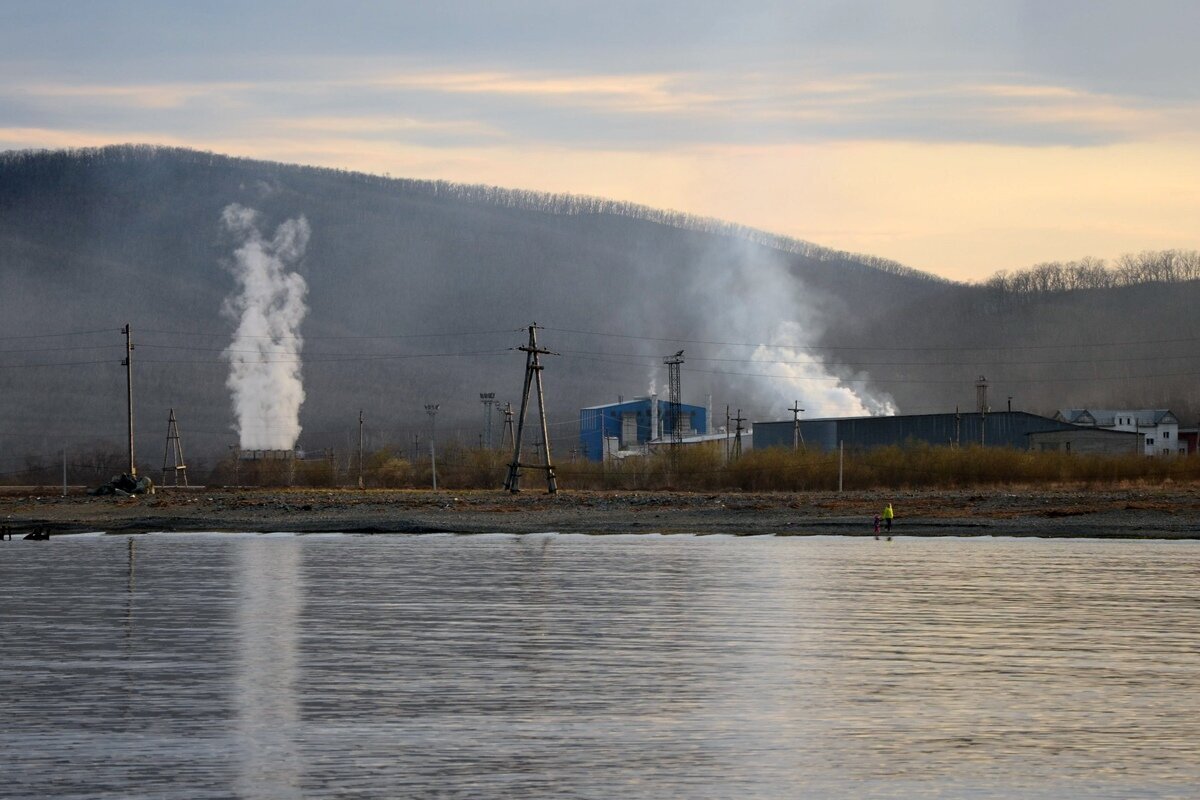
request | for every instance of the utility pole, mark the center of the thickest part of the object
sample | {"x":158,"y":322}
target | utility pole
{"x":533,"y":376}
{"x":64,"y":470}
{"x":360,"y":449}
{"x":431,"y":409}
{"x":727,"y":418}
{"x":797,"y":436}
{"x":506,"y":432}
{"x":981,"y":392}
{"x":128,"y":364}
{"x":174,"y":452}
{"x":841,"y":461}
{"x":737,"y":442}
{"x":487,"y":398}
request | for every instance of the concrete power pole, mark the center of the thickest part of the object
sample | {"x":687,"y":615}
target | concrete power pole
{"x":128,"y":364}
{"x":431,"y":409}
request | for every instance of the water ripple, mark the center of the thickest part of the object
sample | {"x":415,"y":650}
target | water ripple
{"x":570,"y":666}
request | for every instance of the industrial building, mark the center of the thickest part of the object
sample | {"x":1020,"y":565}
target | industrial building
{"x":1089,"y":441}
{"x":627,"y":426}
{"x":1158,"y":426}
{"x":996,"y":429}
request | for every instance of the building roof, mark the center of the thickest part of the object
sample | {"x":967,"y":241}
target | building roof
{"x":636,"y":401}
{"x":1106,"y":417}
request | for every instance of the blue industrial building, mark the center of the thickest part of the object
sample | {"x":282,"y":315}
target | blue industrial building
{"x":996,"y":429}
{"x":633,"y":423}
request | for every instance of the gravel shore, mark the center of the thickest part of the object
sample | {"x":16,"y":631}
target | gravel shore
{"x":1150,"y":512}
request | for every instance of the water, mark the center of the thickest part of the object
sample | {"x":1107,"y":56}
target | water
{"x":216,"y":666}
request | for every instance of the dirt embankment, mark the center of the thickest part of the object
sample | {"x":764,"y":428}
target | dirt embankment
{"x":1172,"y":512}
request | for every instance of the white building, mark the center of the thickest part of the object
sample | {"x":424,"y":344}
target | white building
{"x":1159,"y":426}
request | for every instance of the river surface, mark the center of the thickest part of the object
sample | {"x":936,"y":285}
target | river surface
{"x":275,"y":666}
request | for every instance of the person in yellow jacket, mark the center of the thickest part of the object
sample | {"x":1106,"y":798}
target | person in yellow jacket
{"x":888,"y":516}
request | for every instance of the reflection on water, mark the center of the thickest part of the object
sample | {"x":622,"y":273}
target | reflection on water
{"x":270,"y":597}
{"x":569,"y":666}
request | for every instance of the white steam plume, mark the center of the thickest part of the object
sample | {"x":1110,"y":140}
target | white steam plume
{"x":268,"y":307}
{"x":751,"y":296}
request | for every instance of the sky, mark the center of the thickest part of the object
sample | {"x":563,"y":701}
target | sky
{"x":956,"y":137}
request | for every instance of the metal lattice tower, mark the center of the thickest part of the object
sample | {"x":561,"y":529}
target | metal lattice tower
{"x":174,"y":454}
{"x":487,"y":398}
{"x":675,"y":403}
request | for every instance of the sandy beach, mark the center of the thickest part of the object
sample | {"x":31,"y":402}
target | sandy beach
{"x":1152,"y":512}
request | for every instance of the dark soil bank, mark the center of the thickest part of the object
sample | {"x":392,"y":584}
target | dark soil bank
{"x":1159,"y":512}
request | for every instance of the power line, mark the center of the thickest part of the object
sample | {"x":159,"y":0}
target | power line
{"x":899,"y":348}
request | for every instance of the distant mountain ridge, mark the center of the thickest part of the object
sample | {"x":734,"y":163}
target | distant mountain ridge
{"x":418,"y":288}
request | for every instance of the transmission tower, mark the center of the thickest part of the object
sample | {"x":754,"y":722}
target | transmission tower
{"x":174,"y":454}
{"x":533,"y":377}
{"x":487,"y":398}
{"x":675,"y":403}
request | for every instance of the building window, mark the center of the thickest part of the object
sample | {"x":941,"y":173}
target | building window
{"x":1149,"y":440}
{"x":1166,"y":434}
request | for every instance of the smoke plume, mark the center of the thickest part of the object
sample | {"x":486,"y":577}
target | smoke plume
{"x":267,"y":307}
{"x":748,"y":294}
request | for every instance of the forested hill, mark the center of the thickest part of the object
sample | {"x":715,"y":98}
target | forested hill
{"x":417,"y":290}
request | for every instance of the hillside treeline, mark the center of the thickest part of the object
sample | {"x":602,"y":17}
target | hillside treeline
{"x":1150,"y":266}
{"x":36,"y":163}
{"x":418,"y":291}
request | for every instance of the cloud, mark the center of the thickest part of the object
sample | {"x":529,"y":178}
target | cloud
{"x":636,"y":111}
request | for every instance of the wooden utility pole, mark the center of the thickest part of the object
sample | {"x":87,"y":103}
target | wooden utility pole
{"x":128,"y":364}
{"x":506,"y":432}
{"x":174,"y":453}
{"x":797,"y":436}
{"x":533,"y":377}
{"x":360,"y":449}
